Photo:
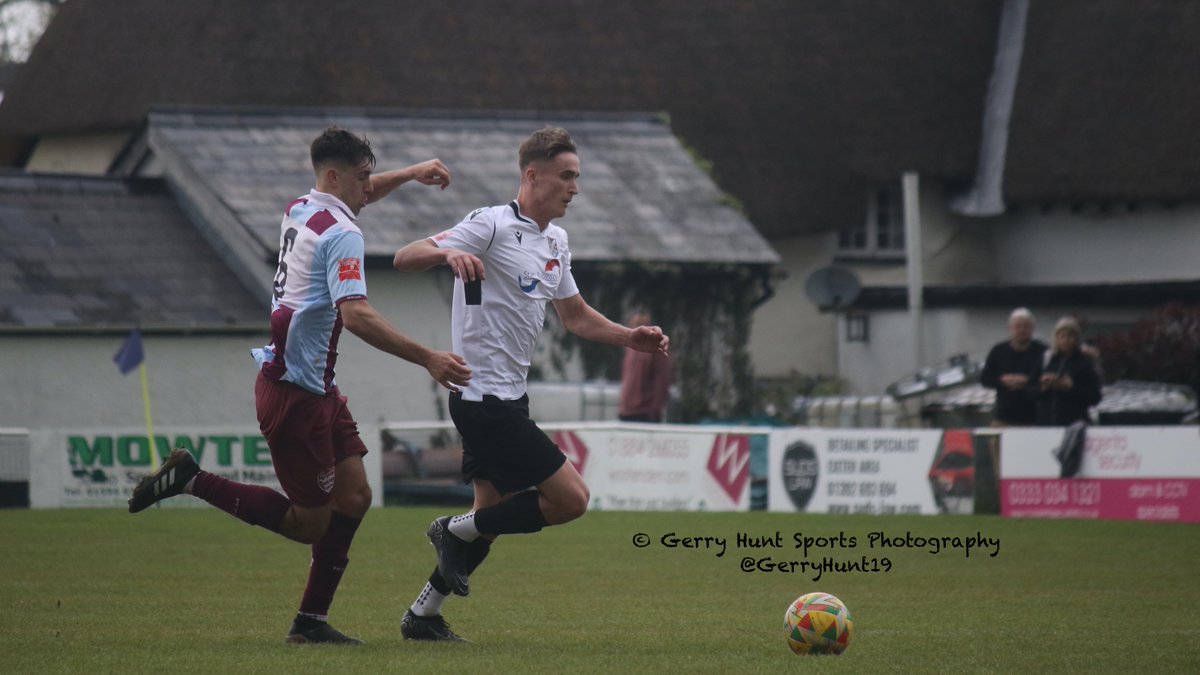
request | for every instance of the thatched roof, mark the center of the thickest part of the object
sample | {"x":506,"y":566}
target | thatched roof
{"x":799,"y":104}
{"x":1107,"y":103}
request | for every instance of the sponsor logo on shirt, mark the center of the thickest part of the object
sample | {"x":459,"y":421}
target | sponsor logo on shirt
{"x":528,"y":281}
{"x":349,"y":268}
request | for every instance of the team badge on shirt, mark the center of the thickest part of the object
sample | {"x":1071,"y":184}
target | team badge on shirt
{"x":349,"y":268}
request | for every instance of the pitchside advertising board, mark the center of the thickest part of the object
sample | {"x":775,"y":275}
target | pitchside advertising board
{"x":660,"y":468}
{"x":99,"y":467}
{"x":1126,"y":473}
{"x":878,"y":471}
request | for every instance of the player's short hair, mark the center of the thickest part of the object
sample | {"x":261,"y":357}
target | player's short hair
{"x":1021,"y":313}
{"x":337,"y":146}
{"x":544,"y":145}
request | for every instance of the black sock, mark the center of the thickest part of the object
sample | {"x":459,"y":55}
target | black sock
{"x":517,"y":514}
{"x":476,"y":552}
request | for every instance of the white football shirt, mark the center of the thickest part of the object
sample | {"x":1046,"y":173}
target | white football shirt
{"x":525,"y":268}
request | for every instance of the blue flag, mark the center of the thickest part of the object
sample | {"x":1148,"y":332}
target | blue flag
{"x":130,"y":355}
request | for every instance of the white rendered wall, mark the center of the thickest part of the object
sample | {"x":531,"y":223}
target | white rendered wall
{"x":789,"y":333}
{"x":871,"y":366}
{"x":86,"y":154}
{"x":70,"y":381}
{"x":1152,"y":244}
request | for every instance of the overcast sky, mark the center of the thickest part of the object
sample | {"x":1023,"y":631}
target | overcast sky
{"x":21,"y":23}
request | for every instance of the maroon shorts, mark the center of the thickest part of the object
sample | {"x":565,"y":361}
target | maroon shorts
{"x":308,"y":436}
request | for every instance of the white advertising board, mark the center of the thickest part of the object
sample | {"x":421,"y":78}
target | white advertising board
{"x":1109,"y":452}
{"x":99,"y":467}
{"x":878,"y":471}
{"x":660,"y":468}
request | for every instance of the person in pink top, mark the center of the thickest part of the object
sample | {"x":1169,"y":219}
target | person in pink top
{"x":645,"y":381}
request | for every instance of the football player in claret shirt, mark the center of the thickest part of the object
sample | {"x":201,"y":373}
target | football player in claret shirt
{"x":319,"y":288}
{"x":510,"y":261}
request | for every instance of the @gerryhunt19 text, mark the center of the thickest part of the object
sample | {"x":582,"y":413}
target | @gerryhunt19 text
{"x":800,"y":553}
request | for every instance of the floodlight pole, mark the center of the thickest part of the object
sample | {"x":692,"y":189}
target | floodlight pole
{"x":912,"y":250}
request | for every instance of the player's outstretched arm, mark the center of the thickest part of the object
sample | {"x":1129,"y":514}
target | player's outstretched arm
{"x":359,"y":317}
{"x":431,"y":172}
{"x":580,"y":319}
{"x":424,"y":254}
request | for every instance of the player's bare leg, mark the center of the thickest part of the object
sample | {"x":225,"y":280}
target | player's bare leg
{"x":305,"y":525}
{"x":564,"y":496}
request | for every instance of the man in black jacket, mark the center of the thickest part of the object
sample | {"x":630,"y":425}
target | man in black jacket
{"x":1013,"y":368}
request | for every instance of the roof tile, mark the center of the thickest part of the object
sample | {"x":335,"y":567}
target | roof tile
{"x":82,"y":251}
{"x":647,"y":187}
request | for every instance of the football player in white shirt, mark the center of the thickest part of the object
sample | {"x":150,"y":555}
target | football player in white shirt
{"x":509,"y":260}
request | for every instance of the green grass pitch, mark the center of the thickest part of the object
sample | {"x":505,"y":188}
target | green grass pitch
{"x":193,"y":590}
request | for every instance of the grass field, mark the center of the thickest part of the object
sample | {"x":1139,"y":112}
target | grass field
{"x":193,"y":590}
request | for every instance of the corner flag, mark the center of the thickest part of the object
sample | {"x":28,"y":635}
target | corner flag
{"x":128,"y":357}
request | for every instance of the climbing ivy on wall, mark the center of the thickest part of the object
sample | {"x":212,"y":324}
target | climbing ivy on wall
{"x":706,"y":309}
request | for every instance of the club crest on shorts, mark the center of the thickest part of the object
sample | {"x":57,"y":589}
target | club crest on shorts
{"x":325,"y":479}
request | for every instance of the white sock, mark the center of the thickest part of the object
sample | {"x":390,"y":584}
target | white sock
{"x":463,"y":527}
{"x":429,"y":602}
{"x":187,"y":489}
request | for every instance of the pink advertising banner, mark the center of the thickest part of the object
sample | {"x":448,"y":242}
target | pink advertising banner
{"x":1126,"y":473}
{"x":1104,"y":499}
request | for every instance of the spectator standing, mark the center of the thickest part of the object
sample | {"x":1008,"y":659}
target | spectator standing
{"x":1012,"y":368}
{"x":645,"y":381}
{"x":1069,"y":384}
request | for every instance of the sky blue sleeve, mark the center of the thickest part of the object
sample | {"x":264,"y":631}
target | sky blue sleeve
{"x":344,"y":266}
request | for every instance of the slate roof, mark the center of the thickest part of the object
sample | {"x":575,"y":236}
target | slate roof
{"x":98,"y":252}
{"x":642,"y":197}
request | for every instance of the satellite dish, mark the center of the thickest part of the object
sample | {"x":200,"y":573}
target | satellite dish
{"x":833,"y":287}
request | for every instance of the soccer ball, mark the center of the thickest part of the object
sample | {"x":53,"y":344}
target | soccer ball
{"x":818,"y":623}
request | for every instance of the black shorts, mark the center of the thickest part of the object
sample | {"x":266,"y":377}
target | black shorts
{"x":502,"y":445}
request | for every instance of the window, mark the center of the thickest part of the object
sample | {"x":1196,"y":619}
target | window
{"x":882,"y":235}
{"x":858,"y":328}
